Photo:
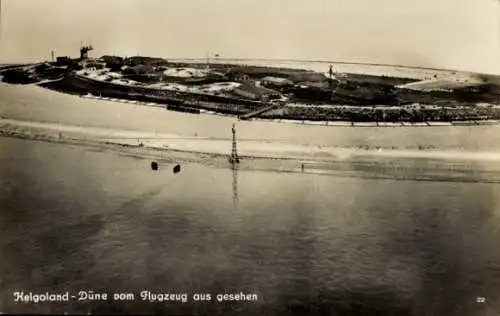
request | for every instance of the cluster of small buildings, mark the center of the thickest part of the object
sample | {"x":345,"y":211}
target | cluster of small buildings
{"x":161,"y":76}
{"x":159,"y":72}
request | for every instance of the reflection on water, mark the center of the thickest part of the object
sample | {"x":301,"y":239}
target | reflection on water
{"x":306,"y":244}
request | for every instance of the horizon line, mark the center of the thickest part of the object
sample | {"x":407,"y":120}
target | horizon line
{"x":218,"y":59}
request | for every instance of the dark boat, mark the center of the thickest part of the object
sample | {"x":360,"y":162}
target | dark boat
{"x":154,"y":165}
{"x":177,"y":168}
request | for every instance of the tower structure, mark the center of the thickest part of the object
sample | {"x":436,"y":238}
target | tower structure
{"x":330,"y":77}
{"x":234,"y":159}
{"x":84,"y":51}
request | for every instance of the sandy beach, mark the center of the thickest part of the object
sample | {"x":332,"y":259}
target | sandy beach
{"x":31,"y":112}
{"x":32,"y":103}
{"x":170,"y":149}
{"x":219,"y":146}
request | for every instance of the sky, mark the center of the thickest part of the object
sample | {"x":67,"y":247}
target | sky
{"x":455,"y":34}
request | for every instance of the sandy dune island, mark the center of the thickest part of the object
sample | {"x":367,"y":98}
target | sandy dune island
{"x":31,"y":112}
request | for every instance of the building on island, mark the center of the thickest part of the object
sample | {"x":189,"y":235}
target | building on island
{"x":256,"y":93}
{"x":237,"y":76}
{"x":94,"y":65}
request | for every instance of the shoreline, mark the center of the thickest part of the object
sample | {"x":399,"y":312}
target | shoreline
{"x":417,"y":114}
{"x":221,"y":147}
{"x":341,"y":162}
{"x":309,"y":122}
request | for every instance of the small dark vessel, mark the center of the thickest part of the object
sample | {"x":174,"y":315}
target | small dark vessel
{"x":154,"y":165}
{"x":177,"y":168}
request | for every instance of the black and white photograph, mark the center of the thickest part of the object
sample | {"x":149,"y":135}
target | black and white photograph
{"x":237,"y":157}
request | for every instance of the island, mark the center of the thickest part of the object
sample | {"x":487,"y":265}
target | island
{"x":270,"y":93}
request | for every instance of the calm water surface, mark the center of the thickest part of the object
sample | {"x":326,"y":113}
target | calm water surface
{"x":73,"y":219}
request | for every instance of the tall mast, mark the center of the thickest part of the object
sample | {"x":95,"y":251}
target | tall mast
{"x":234,"y":159}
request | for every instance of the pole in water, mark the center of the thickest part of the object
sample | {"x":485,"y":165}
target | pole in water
{"x":154,"y":165}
